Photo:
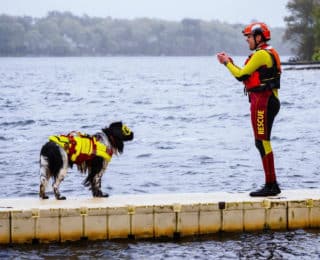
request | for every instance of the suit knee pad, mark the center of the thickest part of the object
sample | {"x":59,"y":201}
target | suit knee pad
{"x":263,"y":146}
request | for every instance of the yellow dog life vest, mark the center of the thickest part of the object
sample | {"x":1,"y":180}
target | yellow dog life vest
{"x":82,"y":147}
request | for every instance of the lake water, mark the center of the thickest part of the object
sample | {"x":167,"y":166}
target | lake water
{"x":192,"y":134}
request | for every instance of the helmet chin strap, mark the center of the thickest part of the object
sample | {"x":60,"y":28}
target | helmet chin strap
{"x":256,"y":44}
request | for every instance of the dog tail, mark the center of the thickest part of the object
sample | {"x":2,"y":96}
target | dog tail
{"x":52,"y":152}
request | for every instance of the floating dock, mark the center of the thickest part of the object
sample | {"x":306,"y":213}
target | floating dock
{"x":31,"y":220}
{"x":301,"y":65}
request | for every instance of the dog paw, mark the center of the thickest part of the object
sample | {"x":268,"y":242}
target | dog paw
{"x":105,"y":195}
{"x":61,"y":198}
{"x":44,"y":197}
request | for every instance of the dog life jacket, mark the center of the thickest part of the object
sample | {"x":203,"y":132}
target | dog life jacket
{"x":264,"y":78}
{"x":82,"y":147}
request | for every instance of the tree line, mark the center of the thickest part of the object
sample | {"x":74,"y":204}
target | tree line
{"x":303,"y":28}
{"x":64,"y":34}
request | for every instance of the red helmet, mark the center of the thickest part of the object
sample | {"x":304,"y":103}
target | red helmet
{"x":258,"y":28}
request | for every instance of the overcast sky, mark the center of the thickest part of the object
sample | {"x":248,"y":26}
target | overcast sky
{"x":232,"y":11}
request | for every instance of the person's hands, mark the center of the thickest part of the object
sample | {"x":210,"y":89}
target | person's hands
{"x":223,"y":58}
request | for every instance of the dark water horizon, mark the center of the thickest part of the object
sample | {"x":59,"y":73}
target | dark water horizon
{"x":192,"y":134}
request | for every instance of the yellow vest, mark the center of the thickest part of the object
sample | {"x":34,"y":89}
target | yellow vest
{"x":82,"y":147}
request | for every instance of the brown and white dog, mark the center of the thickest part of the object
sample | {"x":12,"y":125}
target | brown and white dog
{"x":91,"y":154}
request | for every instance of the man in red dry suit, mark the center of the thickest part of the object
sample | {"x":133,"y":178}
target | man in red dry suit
{"x":261,"y":78}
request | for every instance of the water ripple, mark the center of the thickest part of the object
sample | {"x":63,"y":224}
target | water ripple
{"x":17,"y":123}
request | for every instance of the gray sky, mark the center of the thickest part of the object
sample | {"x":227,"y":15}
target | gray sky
{"x":232,"y":11}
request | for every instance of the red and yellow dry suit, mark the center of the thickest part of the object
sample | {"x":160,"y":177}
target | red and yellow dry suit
{"x":261,"y":77}
{"x":82,"y":147}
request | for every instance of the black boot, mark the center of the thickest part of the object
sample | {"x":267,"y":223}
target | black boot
{"x":269,"y":189}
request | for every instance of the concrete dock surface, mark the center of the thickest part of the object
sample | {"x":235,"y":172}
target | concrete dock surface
{"x":32,"y":220}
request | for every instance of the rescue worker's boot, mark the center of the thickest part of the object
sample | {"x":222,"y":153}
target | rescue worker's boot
{"x":269,"y":189}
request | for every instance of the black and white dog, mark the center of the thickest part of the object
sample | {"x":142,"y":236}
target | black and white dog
{"x":91,"y":154}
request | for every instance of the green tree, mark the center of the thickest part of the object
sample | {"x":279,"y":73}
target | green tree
{"x":316,"y":13}
{"x":11,"y":36}
{"x":301,"y":27}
